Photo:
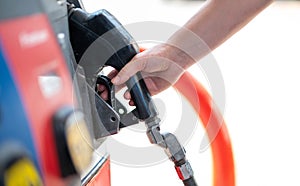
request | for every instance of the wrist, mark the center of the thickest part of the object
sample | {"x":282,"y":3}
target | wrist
{"x":178,"y":56}
{"x":187,"y":47}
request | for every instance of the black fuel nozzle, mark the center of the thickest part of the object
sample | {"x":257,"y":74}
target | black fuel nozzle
{"x":98,"y":39}
{"x":141,"y":97}
{"x":114,"y":45}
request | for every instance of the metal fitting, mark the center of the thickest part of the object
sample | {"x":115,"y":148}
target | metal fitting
{"x":184,"y":171}
{"x":155,"y":137}
{"x":174,"y":149}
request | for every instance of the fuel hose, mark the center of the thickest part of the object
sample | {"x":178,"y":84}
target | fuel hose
{"x":222,"y":154}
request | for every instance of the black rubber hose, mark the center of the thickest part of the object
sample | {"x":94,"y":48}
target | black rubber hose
{"x":190,"y":182}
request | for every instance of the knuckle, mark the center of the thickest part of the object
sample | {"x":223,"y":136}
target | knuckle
{"x":140,"y":64}
{"x":164,"y":65}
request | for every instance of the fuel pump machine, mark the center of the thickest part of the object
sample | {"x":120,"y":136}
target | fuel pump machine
{"x":51,"y":116}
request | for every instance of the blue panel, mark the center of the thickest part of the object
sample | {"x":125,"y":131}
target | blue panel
{"x":14,"y":124}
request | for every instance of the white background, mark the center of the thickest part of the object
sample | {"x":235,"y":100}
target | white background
{"x":260,"y":68}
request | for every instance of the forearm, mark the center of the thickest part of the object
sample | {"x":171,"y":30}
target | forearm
{"x":212,"y":25}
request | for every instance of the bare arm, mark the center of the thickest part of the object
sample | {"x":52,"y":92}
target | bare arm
{"x":214,"y":23}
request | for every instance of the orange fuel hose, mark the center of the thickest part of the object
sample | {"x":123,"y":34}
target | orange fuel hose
{"x":222,"y":155}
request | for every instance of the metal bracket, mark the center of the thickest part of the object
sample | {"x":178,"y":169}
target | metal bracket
{"x":112,"y":113}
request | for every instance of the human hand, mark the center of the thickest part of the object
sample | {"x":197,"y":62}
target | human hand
{"x":159,"y":66}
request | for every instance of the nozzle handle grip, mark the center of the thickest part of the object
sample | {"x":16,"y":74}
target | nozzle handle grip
{"x":140,"y":96}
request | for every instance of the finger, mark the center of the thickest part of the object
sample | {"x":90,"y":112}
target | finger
{"x":112,"y":74}
{"x":101,"y":88}
{"x":104,"y":95}
{"x":156,"y":84}
{"x":129,"y":70}
{"x":131,"y":103}
{"x":151,"y":85}
{"x":102,"y":91}
{"x":127,"y":95}
{"x":119,"y":87}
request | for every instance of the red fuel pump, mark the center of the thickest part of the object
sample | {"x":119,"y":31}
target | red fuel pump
{"x":51,"y":117}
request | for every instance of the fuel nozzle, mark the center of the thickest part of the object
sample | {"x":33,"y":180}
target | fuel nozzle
{"x":112,"y":45}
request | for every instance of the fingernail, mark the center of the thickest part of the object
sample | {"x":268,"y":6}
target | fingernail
{"x":115,"y":80}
